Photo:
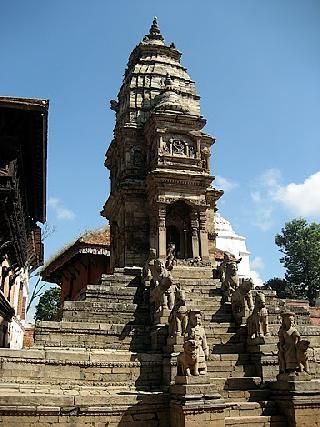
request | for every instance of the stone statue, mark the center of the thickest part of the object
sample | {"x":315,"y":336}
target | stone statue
{"x":192,"y":361}
{"x":258,"y":320}
{"x":171,"y":256}
{"x":292,"y":352}
{"x":242,"y":301}
{"x":149,"y":267}
{"x":229,"y":276}
{"x":188,"y":360}
{"x":302,"y":355}
{"x":178,"y":317}
{"x":161,"y":287}
{"x":114,"y":105}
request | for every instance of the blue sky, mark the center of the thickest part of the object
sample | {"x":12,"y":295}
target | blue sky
{"x":256,"y":65}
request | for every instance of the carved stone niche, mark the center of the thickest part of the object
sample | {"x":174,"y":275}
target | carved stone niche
{"x":178,"y":146}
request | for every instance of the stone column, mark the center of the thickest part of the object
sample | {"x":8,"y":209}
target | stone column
{"x":204,"y":236}
{"x":162,"y":248}
{"x":195,"y":234}
{"x":153,"y":238}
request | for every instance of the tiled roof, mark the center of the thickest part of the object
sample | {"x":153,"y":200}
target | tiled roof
{"x":95,"y":242}
{"x":97,"y":237}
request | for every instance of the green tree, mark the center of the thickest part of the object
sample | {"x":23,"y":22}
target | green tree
{"x":48,"y":307}
{"x":281,"y":287}
{"x":300,"y":244}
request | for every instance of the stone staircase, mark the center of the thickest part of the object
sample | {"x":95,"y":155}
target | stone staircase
{"x":97,"y":364}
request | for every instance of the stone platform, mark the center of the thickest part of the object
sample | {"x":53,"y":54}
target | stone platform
{"x":102,"y":371}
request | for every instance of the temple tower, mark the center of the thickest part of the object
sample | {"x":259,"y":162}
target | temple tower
{"x":159,"y":160}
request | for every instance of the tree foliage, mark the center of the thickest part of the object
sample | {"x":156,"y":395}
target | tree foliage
{"x":281,"y":287}
{"x":48,"y":307}
{"x":299,"y":243}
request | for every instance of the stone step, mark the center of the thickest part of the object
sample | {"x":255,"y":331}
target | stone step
{"x":225,"y":371}
{"x":29,"y":395}
{"x":93,"y":335}
{"x":243,"y":409}
{"x":121,"y":306}
{"x":255,"y":395}
{"x":229,"y":348}
{"x":78,"y":367}
{"x":242,"y":383}
{"x":192,"y":272}
{"x":257,"y":421}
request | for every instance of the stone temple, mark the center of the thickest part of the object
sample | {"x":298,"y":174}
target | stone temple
{"x":167,"y":339}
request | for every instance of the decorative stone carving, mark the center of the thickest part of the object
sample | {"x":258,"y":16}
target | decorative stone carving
{"x":162,"y":288}
{"x":228,"y":271}
{"x":178,"y":147}
{"x":178,"y":318}
{"x":188,"y":359}
{"x":205,"y":156}
{"x":292,"y":352}
{"x":258,"y":321}
{"x":194,"y":262}
{"x":114,"y":105}
{"x":192,"y":361}
{"x":137,"y":157}
{"x":171,"y":256}
{"x":242,"y":301}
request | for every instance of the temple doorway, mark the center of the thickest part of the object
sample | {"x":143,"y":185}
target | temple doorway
{"x":178,"y":229}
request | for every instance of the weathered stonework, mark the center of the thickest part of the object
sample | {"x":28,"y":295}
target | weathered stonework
{"x":159,"y":160}
{"x":112,"y":360}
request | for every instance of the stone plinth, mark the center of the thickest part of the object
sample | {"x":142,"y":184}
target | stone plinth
{"x":162,"y":317}
{"x":174,"y":344}
{"x":194,"y":401}
{"x":298,"y":398}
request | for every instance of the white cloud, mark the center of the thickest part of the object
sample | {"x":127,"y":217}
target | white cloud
{"x":53,"y":202}
{"x":270,"y":179}
{"x":224,"y":183}
{"x":255,"y":276}
{"x":257,"y":263}
{"x":60,"y":210}
{"x":263,"y":198}
{"x":303,"y":199}
{"x":262,"y":211}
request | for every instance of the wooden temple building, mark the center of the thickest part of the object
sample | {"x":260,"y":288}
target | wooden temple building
{"x":79,"y":264}
{"x":23,"y":155}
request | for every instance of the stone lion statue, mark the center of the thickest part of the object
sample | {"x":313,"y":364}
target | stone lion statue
{"x":188,"y":360}
{"x":302,"y":355}
{"x":242,"y":301}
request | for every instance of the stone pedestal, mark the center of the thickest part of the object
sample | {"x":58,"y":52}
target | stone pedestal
{"x":159,"y":330}
{"x":171,"y":350}
{"x":161,"y":317}
{"x":298,"y":398}
{"x":195,"y":402}
{"x":174,"y":344}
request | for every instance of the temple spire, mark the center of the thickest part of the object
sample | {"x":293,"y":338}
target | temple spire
{"x":154,"y":32}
